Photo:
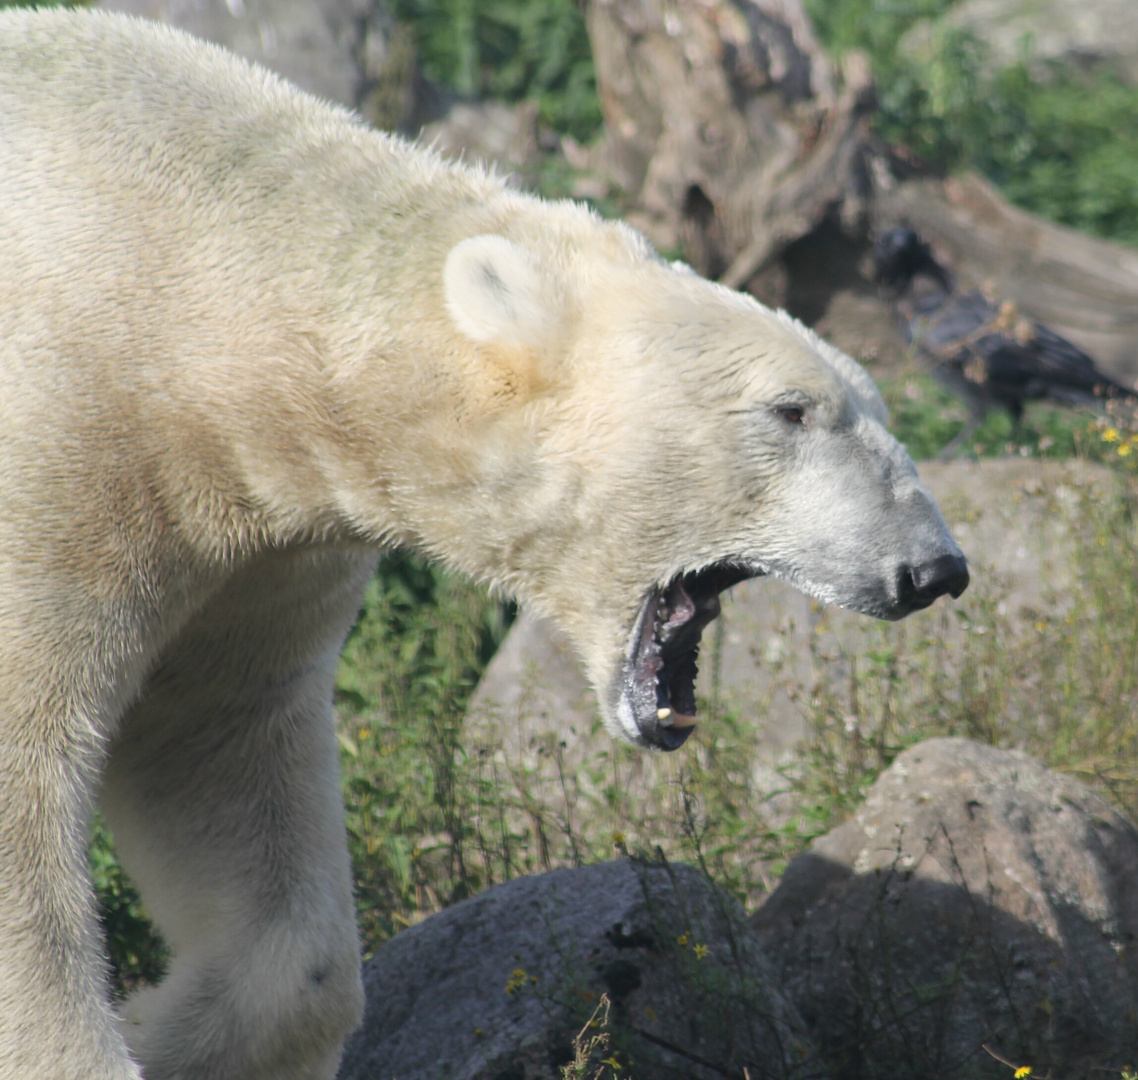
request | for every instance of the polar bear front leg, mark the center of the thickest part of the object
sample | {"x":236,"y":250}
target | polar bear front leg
{"x":223,"y":797}
{"x":236,"y":841}
{"x":55,"y":1020}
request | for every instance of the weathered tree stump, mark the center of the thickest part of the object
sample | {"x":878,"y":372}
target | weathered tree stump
{"x":726,"y":125}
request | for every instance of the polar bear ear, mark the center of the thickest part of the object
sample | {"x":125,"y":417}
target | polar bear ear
{"x":497,"y":293}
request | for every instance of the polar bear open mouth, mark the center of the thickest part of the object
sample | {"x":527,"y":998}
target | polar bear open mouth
{"x":658,"y":680}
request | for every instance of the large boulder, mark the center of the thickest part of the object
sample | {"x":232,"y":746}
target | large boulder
{"x":348,"y":51}
{"x":497,"y":986}
{"x":976,"y":905}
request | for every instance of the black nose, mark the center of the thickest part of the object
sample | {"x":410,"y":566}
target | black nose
{"x":920,"y":585}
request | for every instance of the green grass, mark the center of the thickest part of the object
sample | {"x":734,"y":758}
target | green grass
{"x":407,"y":671}
{"x":926,"y":417}
{"x":137,"y":955}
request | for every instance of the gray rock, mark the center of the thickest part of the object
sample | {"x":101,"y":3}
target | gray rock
{"x":347,"y":51}
{"x":439,"y":1007}
{"x":976,"y":898}
{"x":1089,"y":32}
{"x":490,"y":133}
{"x":306,"y":42}
{"x":534,"y":686}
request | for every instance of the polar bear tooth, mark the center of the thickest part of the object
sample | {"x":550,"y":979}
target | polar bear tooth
{"x":676,"y":720}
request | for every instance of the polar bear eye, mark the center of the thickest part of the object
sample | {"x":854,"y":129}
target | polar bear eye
{"x":792,"y":414}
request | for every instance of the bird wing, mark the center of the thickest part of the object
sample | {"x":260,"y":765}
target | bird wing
{"x":1045,"y":365}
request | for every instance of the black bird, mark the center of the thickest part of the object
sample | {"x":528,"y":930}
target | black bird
{"x":983,"y":349}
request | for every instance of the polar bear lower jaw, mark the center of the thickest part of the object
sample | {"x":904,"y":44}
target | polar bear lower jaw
{"x":657,"y":705}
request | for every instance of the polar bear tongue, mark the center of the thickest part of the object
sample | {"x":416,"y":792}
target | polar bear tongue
{"x":679,"y":623}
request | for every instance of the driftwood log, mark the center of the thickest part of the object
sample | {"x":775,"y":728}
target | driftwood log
{"x":1083,"y":288}
{"x":737,"y":143}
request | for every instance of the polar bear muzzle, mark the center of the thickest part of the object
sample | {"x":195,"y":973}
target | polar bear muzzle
{"x":657,"y":683}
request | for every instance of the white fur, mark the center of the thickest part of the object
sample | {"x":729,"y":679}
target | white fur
{"x":497,"y":293}
{"x":247,"y":343}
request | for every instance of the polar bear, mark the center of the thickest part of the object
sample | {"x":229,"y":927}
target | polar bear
{"x":248,"y":343}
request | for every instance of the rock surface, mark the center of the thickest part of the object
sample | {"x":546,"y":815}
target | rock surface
{"x":491,"y":133}
{"x":497,"y":986}
{"x":1090,"y":32}
{"x":976,"y":898}
{"x":347,"y":51}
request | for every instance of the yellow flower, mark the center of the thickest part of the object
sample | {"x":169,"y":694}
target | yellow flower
{"x":516,"y":980}
{"x":1022,"y":1071}
{"x":683,"y":938}
{"x":700,"y":951}
{"x":363,"y":733}
{"x":1123,"y":450}
{"x":1110,"y":434}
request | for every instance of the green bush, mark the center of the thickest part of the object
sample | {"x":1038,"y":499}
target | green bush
{"x":407,"y":670}
{"x":136,"y":953}
{"x":1062,"y":144}
{"x":511,"y":49}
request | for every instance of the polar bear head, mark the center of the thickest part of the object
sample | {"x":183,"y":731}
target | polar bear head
{"x":678,"y":438}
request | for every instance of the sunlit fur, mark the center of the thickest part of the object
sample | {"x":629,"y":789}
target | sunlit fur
{"x":233,"y":366}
